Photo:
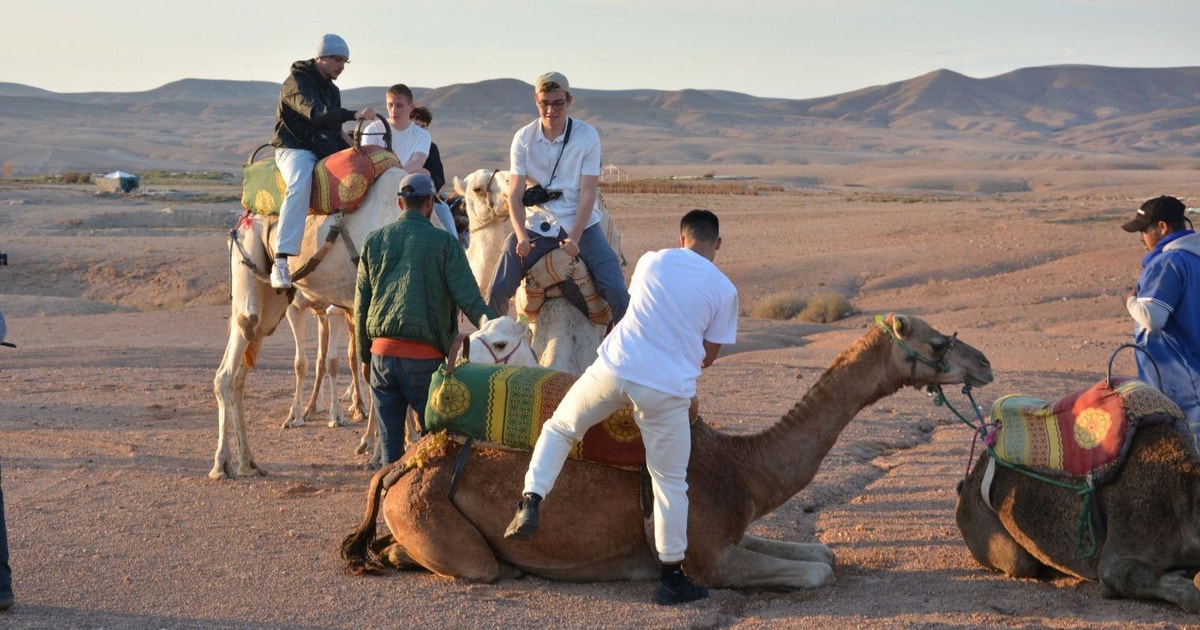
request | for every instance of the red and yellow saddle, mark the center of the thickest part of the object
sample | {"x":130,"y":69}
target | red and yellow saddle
{"x":1087,"y":432}
{"x":340,"y":181}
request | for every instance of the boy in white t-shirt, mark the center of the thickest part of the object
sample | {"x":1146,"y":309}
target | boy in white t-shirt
{"x":681,"y":310}
{"x":410,"y":143}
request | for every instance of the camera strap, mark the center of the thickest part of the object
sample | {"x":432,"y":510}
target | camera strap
{"x":566,"y":139}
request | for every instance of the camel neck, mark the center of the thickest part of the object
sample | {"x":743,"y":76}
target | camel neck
{"x":789,"y":453}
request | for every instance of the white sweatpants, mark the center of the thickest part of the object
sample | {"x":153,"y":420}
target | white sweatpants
{"x":663,"y":421}
{"x":296,"y":169}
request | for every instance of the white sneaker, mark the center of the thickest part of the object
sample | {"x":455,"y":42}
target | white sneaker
{"x":281,"y":276}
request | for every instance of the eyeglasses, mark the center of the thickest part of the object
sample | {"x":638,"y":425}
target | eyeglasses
{"x":559,"y":104}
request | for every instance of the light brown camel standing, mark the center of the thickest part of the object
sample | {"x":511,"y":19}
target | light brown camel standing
{"x":1147,"y":537}
{"x":256,"y":309}
{"x":592,"y":525}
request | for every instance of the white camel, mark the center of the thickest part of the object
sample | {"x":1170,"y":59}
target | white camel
{"x":562,"y":337}
{"x":257,"y":309}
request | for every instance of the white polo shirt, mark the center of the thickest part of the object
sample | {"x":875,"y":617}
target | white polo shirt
{"x":533,"y":155}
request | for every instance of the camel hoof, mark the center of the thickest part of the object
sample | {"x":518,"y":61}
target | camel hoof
{"x":292,"y":423}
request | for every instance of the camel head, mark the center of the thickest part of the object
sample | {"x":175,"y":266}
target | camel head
{"x":485,"y":192}
{"x":502,"y":340}
{"x":924,"y":356}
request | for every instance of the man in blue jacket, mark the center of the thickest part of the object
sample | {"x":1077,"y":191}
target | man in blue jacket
{"x":1165,"y":305}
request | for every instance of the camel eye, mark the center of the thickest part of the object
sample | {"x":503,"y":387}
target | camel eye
{"x":500,"y":345}
{"x":939,"y":344}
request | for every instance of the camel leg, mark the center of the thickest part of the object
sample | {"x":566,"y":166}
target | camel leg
{"x":229,"y":387}
{"x":327,"y":368}
{"x":743,"y":568}
{"x":369,"y":442}
{"x":353,"y":393}
{"x":986,"y":537}
{"x":455,"y":548}
{"x":809,"y":552}
{"x":296,"y":319}
{"x":1128,"y":577}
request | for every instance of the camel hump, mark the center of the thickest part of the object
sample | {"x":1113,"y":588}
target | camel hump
{"x":1086,"y":432}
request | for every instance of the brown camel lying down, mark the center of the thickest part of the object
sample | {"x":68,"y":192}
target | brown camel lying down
{"x":592,"y":527}
{"x":1147,"y":535}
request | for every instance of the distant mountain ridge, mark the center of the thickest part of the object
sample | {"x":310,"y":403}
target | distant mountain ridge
{"x":1062,"y":108}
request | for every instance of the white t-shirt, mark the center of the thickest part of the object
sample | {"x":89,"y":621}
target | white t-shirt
{"x":405,"y":143}
{"x":677,"y":300}
{"x":533,"y":155}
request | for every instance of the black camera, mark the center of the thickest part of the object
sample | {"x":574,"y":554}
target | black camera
{"x":536,"y":195}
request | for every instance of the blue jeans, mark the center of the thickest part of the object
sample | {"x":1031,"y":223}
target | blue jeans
{"x":296,"y":169}
{"x":601,"y":261}
{"x":396,"y":385}
{"x":5,"y":570}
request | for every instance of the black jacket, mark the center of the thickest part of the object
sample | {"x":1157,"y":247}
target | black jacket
{"x":433,"y":164}
{"x":308,"y":102}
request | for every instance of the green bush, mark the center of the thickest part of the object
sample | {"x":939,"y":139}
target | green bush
{"x":826,"y":308}
{"x":778,"y":306}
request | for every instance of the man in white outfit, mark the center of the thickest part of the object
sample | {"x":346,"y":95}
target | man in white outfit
{"x":681,"y":310}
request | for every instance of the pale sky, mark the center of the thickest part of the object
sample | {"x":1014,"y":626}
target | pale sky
{"x":769,"y":48}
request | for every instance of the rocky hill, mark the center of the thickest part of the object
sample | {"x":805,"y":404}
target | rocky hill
{"x":1062,"y":112}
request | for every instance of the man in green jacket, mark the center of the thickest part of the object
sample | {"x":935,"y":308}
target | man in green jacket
{"x":412,"y":279}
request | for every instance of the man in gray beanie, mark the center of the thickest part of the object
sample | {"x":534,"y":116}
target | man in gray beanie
{"x":308,"y":127}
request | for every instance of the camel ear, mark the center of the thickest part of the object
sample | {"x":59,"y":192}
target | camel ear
{"x":483,"y":320}
{"x":900,"y":326}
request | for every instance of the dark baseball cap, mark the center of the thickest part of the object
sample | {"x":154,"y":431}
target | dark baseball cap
{"x":1163,"y":208}
{"x":417,"y":185}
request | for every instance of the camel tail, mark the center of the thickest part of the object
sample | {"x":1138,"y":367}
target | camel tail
{"x":356,"y":548}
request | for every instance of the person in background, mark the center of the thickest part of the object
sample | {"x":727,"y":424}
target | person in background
{"x":422,"y":117}
{"x":1165,"y":304}
{"x":308,"y":126}
{"x":6,"y":591}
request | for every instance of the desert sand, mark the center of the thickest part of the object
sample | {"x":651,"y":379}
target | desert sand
{"x":119,"y":309}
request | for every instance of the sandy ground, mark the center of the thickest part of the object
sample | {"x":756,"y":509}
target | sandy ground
{"x":108,"y":423}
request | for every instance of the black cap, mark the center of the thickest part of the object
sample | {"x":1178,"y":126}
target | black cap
{"x":1163,"y":208}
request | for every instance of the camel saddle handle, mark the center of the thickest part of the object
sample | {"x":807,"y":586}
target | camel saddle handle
{"x":387,"y":132}
{"x":250,"y":158}
{"x":1157,"y":373}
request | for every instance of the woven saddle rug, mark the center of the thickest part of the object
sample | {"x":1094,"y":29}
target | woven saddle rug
{"x":1085,"y":433}
{"x":508,"y":405}
{"x":340,"y":181}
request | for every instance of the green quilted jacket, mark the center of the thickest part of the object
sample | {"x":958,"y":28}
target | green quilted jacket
{"x":411,"y":279}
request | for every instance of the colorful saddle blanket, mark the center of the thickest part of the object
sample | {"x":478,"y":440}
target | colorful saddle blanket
{"x":556,"y":267}
{"x":1087,"y":432}
{"x":508,"y":405}
{"x":340,"y":181}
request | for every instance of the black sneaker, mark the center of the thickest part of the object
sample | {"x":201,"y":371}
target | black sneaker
{"x":675,"y":588}
{"x":525,"y":522}
{"x":6,"y":600}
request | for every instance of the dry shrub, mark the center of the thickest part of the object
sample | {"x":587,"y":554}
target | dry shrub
{"x":784,"y":305}
{"x":826,"y":308}
{"x":72,"y":178}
